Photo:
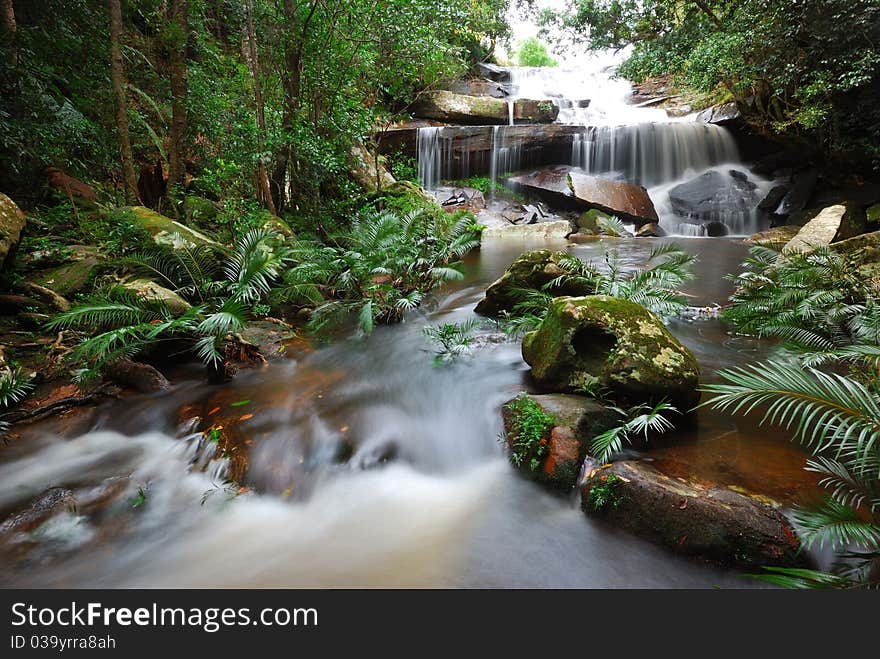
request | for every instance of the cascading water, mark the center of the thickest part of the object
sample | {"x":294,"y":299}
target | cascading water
{"x":429,"y":162}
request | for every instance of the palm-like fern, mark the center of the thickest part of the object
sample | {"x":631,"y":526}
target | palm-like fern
{"x":14,"y":387}
{"x":221,"y":284}
{"x":640,"y":420}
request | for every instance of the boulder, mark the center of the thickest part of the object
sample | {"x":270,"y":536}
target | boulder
{"x":613,"y":342}
{"x":772,"y":199}
{"x":461,"y":109}
{"x":872,"y":214}
{"x":776,"y":237}
{"x":716,"y":229}
{"x":864,"y":252}
{"x":532,"y":111}
{"x":628,"y":201}
{"x":136,"y":375}
{"x":368,"y":174}
{"x":714,"y":195}
{"x":39,"y":509}
{"x":555,"y":230}
{"x":833,"y":223}
{"x":166,"y":231}
{"x":150,"y":291}
{"x":494,"y":72}
{"x":576,"y":420}
{"x":200,"y":211}
{"x":12,"y":223}
{"x":589,"y":220}
{"x":269,"y":337}
{"x":799,"y":193}
{"x":71,"y":278}
{"x":549,"y":184}
{"x":478,"y":88}
{"x":531,"y":270}
{"x":652,"y":230}
{"x":691,"y":518}
{"x":67,"y":185}
{"x":721,"y":115}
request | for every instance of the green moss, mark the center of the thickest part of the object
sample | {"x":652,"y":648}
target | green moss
{"x":529,"y":432}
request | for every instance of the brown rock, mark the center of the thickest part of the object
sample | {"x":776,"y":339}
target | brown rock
{"x":12,"y":223}
{"x":40,"y":508}
{"x":141,"y":377}
{"x":626,"y":200}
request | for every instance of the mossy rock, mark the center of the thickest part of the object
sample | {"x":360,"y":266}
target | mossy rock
{"x":864,"y":252}
{"x":12,"y":223}
{"x":615,"y":343}
{"x":164,"y":230}
{"x":589,"y":220}
{"x":154,"y":294}
{"x":531,"y":270}
{"x":71,"y":278}
{"x":873,"y":215}
{"x":200,"y":212}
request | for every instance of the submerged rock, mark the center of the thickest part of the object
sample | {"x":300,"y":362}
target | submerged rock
{"x":12,"y":223}
{"x":576,"y":420}
{"x":711,"y":522}
{"x":613,"y":342}
{"x":530,"y":270}
{"x":832,"y":224}
{"x":39,"y":509}
{"x":776,"y":237}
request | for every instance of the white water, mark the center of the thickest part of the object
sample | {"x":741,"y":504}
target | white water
{"x":619,"y":140}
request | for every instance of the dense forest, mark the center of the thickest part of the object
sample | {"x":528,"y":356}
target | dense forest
{"x":212,"y":183}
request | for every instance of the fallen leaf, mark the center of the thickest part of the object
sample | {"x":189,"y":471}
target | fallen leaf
{"x":239,"y":403}
{"x":245,"y":417}
{"x":214,"y":411}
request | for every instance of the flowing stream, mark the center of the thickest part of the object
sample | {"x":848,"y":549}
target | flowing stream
{"x":368,"y":467}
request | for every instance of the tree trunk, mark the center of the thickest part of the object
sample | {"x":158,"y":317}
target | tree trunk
{"x":117,"y":81}
{"x":7,"y":15}
{"x":264,"y":191}
{"x":179,"y":25}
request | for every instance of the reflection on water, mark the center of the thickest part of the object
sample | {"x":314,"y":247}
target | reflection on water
{"x":369,"y":467}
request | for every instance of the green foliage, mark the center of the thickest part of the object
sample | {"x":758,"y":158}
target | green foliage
{"x":529,"y":433}
{"x":222,"y":287}
{"x":534,"y":53}
{"x":14,"y":387}
{"x":605,"y":493}
{"x":404,"y":167}
{"x":451,"y":340}
{"x":383,"y":266}
{"x":612,"y":226}
{"x":639,"y":420}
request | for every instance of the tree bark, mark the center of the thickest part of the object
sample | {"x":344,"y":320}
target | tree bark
{"x":117,"y":81}
{"x":253,"y":60}
{"x":7,"y":15}
{"x":179,"y":25}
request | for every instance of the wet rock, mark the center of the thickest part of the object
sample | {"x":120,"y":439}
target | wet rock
{"x":136,"y":375}
{"x":494,"y":72}
{"x":713,"y":195}
{"x":800,"y":192}
{"x":460,"y":108}
{"x":269,"y":337}
{"x":69,"y":279}
{"x":38,"y":510}
{"x":615,"y":343}
{"x":716,"y":229}
{"x":164,"y":230}
{"x":530,"y":270}
{"x":582,"y":103}
{"x":12,"y":223}
{"x":627,"y":201}
{"x":652,"y":230}
{"x":556,"y":230}
{"x":161,"y":297}
{"x":864,"y":252}
{"x":710,"y":522}
{"x":550,"y":184}
{"x":721,"y":115}
{"x":776,"y":237}
{"x":479,"y":88}
{"x":773,"y":198}
{"x":531,"y":111}
{"x":581,"y":238}
{"x":834,"y":223}
{"x":769,"y":165}
{"x":93,"y":499}
{"x":465,"y":198}
{"x":577,"y":420}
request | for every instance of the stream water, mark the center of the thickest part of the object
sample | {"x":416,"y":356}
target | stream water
{"x":370,"y":467}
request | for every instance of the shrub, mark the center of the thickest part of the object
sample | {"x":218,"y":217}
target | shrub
{"x":529,"y":433}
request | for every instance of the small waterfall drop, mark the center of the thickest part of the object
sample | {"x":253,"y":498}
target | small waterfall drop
{"x":428,"y":154}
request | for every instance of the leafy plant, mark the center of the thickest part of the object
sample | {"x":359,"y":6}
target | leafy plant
{"x":14,"y":387}
{"x":638,"y":420}
{"x":124,"y":324}
{"x":612,"y":226}
{"x":534,"y":53}
{"x":452,"y":340}
{"x":529,"y":432}
{"x":605,"y":493}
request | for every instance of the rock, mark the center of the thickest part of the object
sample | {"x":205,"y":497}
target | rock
{"x":776,"y":237}
{"x":92,"y":499}
{"x":70,"y":186}
{"x":478,"y":88}
{"x":550,"y":184}
{"x":556,"y":230}
{"x":864,"y":252}
{"x":268,"y":336}
{"x":70,"y":279}
{"x":711,"y":522}
{"x":494,"y":72}
{"x":200,"y":211}
{"x":773,"y":198}
{"x":11,"y":304}
{"x":369,"y":174}
{"x":721,"y":115}
{"x":531,"y":111}
{"x":767,"y":165}
{"x":12,"y":223}
{"x":46,"y":295}
{"x":150,"y":291}
{"x":713,"y":195}
{"x":461,"y":198}
{"x":800,"y":192}
{"x":582,"y":103}
{"x":39,"y":509}
{"x":872,"y":214}
{"x":581,"y":238}
{"x":589,"y":220}
{"x":834,"y":223}
{"x":716,"y":229}
{"x":530,"y":270}
{"x":166,"y":231}
{"x":652,"y":230}
{"x":613,"y":342}
{"x":461,"y":109}
{"x":136,"y":375}
{"x":627,"y":201}
{"x":577,"y":420}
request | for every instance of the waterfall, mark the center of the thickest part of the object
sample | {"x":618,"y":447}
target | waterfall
{"x":429,"y":161}
{"x":506,"y":155}
{"x":510,"y":110}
